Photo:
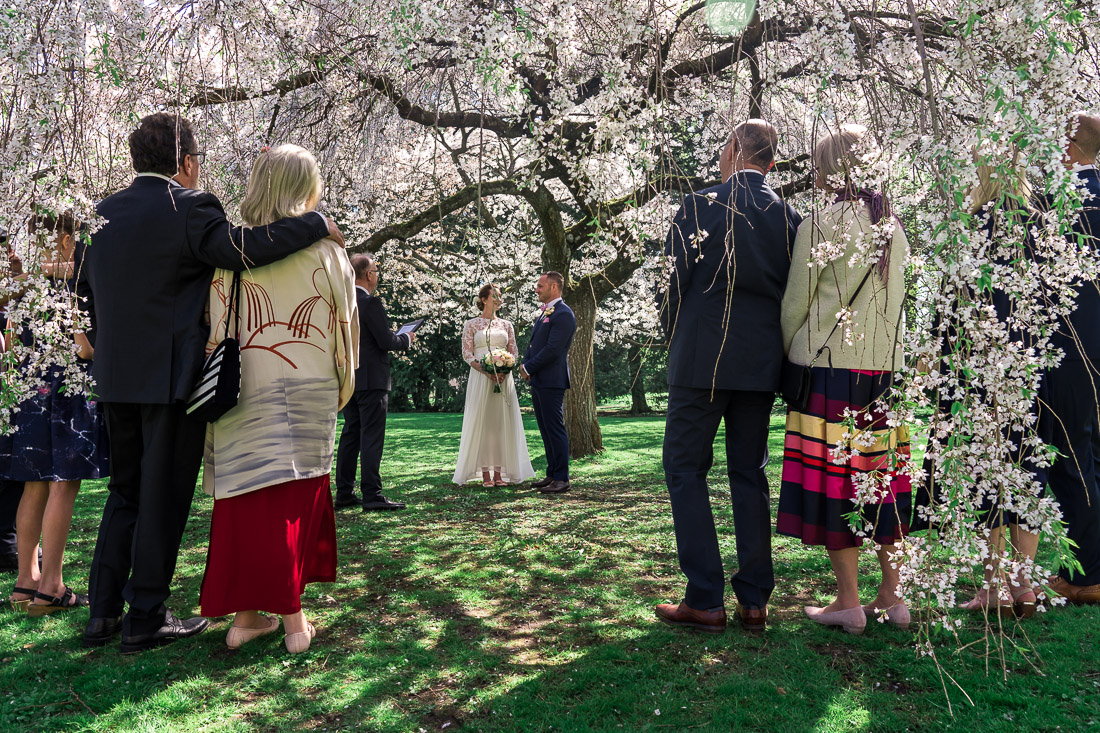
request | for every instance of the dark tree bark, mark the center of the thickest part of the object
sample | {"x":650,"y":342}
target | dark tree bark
{"x":585,"y":437}
{"x":638,"y":404}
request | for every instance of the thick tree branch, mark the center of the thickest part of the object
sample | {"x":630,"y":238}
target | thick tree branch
{"x":436,"y":212}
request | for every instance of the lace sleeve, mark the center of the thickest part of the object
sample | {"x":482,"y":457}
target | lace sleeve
{"x":512,"y":340}
{"x":468,"y":342}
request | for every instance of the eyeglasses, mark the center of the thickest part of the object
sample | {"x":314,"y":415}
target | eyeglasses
{"x":199,"y":156}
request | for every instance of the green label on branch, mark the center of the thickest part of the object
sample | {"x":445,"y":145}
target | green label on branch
{"x":729,"y":16}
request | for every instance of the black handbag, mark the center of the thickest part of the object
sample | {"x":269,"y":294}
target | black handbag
{"x":219,"y":384}
{"x":794,"y":379}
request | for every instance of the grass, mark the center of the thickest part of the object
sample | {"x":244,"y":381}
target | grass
{"x":503,"y":610}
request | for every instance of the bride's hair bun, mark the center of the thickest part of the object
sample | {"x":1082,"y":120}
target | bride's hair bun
{"x":483,"y":295}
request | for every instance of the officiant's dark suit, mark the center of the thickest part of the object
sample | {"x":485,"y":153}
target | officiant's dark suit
{"x":730,"y":246}
{"x":364,"y":434}
{"x":149,"y":270}
{"x":1074,"y":426}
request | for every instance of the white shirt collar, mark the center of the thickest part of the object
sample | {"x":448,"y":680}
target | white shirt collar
{"x":552,"y":303}
{"x":360,"y":287}
{"x":1083,"y":168}
{"x":747,"y":170}
{"x":160,"y":175}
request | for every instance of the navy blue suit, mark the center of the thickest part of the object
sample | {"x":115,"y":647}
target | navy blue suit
{"x":547,"y":361}
{"x":1073,"y":424}
{"x":730,"y":246}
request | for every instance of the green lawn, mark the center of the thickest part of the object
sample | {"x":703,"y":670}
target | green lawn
{"x":501,"y":609}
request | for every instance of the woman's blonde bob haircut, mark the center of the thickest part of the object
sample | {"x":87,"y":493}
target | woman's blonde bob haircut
{"x":285,"y":181}
{"x":992,"y":187}
{"x":836,"y":153}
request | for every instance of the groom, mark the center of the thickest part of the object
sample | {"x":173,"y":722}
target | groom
{"x":731,"y":247}
{"x":546,"y":368}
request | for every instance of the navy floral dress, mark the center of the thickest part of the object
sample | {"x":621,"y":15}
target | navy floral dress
{"x":59,"y":436}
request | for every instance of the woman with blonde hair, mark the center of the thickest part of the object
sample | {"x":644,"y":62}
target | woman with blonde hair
{"x":267,"y":460}
{"x":842,"y":317}
{"x":493,"y":447}
{"x":1001,"y":205}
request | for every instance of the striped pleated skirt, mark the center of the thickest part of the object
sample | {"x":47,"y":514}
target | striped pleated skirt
{"x":835,"y":448}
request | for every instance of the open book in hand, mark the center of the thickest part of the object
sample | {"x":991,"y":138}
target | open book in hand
{"x":410,"y":327}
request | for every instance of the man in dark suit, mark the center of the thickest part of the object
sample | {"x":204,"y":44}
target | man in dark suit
{"x":1074,"y":477}
{"x":149,"y":270}
{"x":364,"y":433}
{"x":730,"y":247}
{"x":546,"y":368}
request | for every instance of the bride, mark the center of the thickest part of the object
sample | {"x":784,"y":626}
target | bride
{"x":493,"y":446}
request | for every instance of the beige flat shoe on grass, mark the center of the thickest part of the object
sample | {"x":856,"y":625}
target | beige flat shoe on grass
{"x":240,"y":634}
{"x":299,"y":642}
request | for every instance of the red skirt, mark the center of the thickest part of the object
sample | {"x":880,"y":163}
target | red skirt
{"x":266,"y":545}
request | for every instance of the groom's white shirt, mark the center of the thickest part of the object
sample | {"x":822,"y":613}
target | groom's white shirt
{"x":549,"y":305}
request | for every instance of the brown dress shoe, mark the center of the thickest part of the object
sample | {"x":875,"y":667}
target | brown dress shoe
{"x":1078,"y":594}
{"x":542,"y":483}
{"x":713,"y":622}
{"x":752,"y":619}
{"x":555,"y":487}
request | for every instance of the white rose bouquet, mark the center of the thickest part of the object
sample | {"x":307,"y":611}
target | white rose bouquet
{"x":498,"y":361}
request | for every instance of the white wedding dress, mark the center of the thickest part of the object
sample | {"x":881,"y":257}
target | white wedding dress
{"x":492,"y":429}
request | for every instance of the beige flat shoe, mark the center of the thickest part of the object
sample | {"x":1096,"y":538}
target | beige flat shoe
{"x":240,"y":634}
{"x":299,"y":642}
{"x":896,"y":615}
{"x":852,"y":620}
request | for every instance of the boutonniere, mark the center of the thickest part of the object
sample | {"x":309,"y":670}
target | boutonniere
{"x":545,"y":314}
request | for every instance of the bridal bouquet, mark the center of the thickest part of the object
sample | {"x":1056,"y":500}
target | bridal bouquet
{"x":498,"y":361}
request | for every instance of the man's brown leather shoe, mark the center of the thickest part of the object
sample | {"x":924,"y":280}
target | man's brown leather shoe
{"x":542,"y":483}
{"x":752,"y":619}
{"x":713,"y":622}
{"x":555,"y":487}
{"x":1078,"y":594}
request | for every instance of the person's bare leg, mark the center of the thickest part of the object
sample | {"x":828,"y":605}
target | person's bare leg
{"x":250,"y":620}
{"x":845,"y":567}
{"x":28,"y":527}
{"x":295,"y":623}
{"x":992,"y":564}
{"x":56,"y":522}
{"x":1024,"y":545}
{"x":891,"y":576}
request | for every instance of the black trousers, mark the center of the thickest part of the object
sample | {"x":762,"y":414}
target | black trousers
{"x":549,"y":407}
{"x":690,"y":429}
{"x":10,"y":494}
{"x":1075,"y":432}
{"x":363,"y":437}
{"x":156,"y":451}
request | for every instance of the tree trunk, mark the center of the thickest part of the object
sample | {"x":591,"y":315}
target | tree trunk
{"x":421,"y":396}
{"x":581,"y":424}
{"x":638,"y":405}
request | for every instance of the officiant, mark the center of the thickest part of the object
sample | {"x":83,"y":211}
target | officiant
{"x":364,"y":432}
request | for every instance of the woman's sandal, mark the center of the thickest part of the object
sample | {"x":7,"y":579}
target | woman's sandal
{"x":299,"y":642}
{"x":1022,"y":606}
{"x":54,"y":604}
{"x":20,"y":604}
{"x":1002,"y":607}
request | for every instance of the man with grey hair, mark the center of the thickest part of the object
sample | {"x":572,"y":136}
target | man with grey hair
{"x":1072,"y":418}
{"x":730,"y":248}
{"x":364,"y":433}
